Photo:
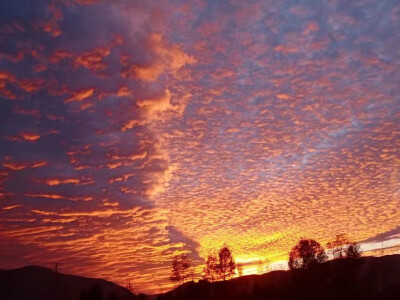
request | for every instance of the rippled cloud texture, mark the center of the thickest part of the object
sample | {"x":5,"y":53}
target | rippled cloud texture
{"x":132,"y":131}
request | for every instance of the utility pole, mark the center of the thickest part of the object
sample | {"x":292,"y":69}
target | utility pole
{"x":56,"y":267}
{"x":128,"y":285}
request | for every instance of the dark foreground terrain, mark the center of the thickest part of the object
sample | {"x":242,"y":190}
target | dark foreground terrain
{"x":39,"y":283}
{"x":365,"y":278}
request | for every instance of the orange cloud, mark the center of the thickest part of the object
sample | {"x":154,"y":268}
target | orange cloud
{"x":149,"y":73}
{"x":124,"y":92}
{"x":31,"y":86}
{"x":114,"y":165}
{"x":11,"y":207}
{"x":52,"y":26}
{"x":169,"y":59}
{"x":153,"y":107}
{"x":130,"y":124}
{"x":93,"y":60}
{"x":124,"y":177}
{"x":5,"y":78}
{"x":310,"y":27}
{"x":286,"y":49}
{"x":5,"y":75}
{"x":138,"y":156}
{"x":59,"y":181}
{"x":27,"y":85}
{"x":38,"y":164}
{"x":59,"y":55}
{"x":31,"y":137}
{"x":134,"y":156}
{"x":20,"y":166}
{"x":80,"y":95}
{"x":57,"y":196}
{"x":283,"y":96}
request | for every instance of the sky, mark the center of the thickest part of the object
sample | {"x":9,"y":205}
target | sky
{"x":133,"y":131}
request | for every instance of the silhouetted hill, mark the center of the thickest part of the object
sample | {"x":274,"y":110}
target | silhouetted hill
{"x":365,"y":278}
{"x":39,"y":283}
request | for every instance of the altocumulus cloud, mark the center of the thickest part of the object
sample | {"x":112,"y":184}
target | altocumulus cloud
{"x":82,"y":83}
{"x":136,"y":130}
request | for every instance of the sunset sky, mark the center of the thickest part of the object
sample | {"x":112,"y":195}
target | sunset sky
{"x":132,"y":131}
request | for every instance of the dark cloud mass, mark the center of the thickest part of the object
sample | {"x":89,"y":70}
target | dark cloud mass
{"x":132,"y":131}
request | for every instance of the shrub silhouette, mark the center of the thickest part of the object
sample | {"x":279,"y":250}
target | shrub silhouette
{"x":306,"y":254}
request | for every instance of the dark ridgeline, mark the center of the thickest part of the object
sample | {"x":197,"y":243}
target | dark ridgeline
{"x":311,"y":276}
{"x":361,"y":278}
{"x":39,"y":283}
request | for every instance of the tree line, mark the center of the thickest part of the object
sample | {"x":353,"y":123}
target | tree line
{"x":305,"y":254}
{"x":218,"y":267}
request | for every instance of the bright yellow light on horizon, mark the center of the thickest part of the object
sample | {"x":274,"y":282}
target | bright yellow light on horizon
{"x":251,"y":266}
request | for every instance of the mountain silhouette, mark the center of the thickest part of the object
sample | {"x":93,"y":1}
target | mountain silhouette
{"x":39,"y":283}
{"x":363,"y":278}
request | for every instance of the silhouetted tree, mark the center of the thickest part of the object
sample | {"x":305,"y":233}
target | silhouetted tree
{"x":353,"y":251}
{"x":337,"y":248}
{"x":181,"y":268}
{"x":305,"y":254}
{"x":210,"y":271}
{"x":226,"y":264}
{"x":220,"y":268}
{"x":342,"y":248}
